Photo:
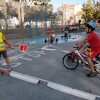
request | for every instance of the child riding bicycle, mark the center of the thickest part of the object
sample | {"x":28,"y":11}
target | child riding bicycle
{"x":94,"y":43}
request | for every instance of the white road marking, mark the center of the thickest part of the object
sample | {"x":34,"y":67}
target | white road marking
{"x":25,"y":58}
{"x":4,"y":63}
{"x":34,"y":55}
{"x":12,"y":64}
{"x":46,"y":48}
{"x":19,"y":56}
{"x":75,"y":92}
{"x":39,"y":52}
{"x":24,"y":77}
{"x":32,"y":42}
{"x":62,"y":88}
{"x":15,"y":64}
{"x":66,"y":51}
{"x":10,"y":52}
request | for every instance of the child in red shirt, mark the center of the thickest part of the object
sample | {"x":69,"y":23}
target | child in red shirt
{"x":94,"y":43}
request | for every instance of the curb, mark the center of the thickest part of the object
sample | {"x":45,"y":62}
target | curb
{"x":24,"y":77}
{"x":71,"y":91}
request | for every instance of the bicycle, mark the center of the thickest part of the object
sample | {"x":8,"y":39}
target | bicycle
{"x":74,"y":57}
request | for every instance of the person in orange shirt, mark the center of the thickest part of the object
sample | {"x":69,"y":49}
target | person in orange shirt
{"x":3,"y":50}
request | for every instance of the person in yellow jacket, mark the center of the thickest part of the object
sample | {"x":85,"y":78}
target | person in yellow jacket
{"x":3,"y":50}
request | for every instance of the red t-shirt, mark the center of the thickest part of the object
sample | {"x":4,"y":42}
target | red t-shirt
{"x":93,"y":41}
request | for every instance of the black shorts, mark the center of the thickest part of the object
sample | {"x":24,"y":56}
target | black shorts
{"x":4,"y":54}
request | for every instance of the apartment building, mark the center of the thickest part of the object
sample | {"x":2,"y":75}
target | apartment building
{"x":70,"y":13}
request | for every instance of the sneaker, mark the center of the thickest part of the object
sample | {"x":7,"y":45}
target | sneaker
{"x":91,"y":74}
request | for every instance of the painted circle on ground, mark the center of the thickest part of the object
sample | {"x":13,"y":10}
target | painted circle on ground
{"x":23,"y":47}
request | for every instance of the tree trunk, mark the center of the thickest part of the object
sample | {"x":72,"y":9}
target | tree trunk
{"x":5,"y":12}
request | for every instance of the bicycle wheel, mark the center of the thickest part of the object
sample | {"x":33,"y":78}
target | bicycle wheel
{"x":97,"y":66}
{"x":70,"y":62}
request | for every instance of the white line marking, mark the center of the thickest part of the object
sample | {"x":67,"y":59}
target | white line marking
{"x":16,"y":64}
{"x":18,"y":56}
{"x":10,"y":52}
{"x":62,"y":88}
{"x":25,"y":58}
{"x":24,"y":77}
{"x":75,"y":92}
{"x":39,"y":52}
{"x":66,"y":51}
{"x":32,"y":42}
{"x":12,"y":64}
{"x":46,"y":48}
{"x":34,"y":55}
{"x":4,"y":63}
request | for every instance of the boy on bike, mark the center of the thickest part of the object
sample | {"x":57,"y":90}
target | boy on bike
{"x":94,"y":43}
{"x":3,"y":51}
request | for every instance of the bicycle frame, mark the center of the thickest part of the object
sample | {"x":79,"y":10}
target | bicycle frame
{"x":82,"y":57}
{"x":79,"y":56}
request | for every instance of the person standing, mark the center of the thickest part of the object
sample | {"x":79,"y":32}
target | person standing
{"x":3,"y":50}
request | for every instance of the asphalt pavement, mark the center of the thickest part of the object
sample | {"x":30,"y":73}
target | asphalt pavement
{"x":43,"y":62}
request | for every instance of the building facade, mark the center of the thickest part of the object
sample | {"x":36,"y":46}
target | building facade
{"x":70,"y":13}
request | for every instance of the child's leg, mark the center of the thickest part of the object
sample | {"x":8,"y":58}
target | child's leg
{"x":4,"y":54}
{"x":92,"y":54}
{"x":7,"y":62}
{"x":84,"y":50}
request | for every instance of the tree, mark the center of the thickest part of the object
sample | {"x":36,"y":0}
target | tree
{"x":41,"y":9}
{"x":12,"y":7}
{"x":91,"y":10}
{"x":97,"y":11}
{"x":5,"y":12}
{"x":88,"y":11}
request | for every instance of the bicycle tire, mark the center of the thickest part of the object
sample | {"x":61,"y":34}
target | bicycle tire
{"x":97,"y":69}
{"x":70,"y":59}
